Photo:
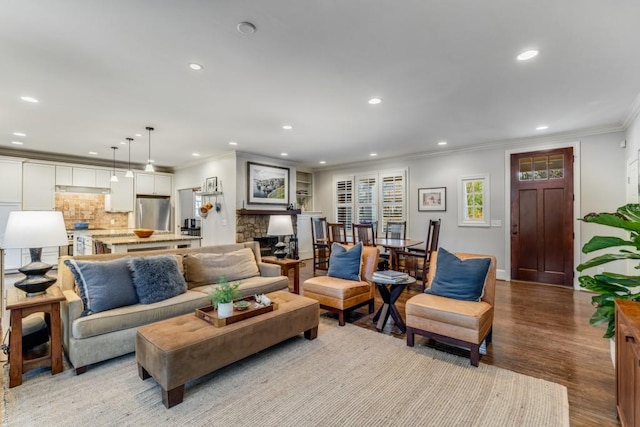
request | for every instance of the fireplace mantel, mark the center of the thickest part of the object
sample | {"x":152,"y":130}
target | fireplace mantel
{"x":267,"y":212}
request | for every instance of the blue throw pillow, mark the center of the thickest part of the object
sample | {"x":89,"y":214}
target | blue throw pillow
{"x":459,"y":279}
{"x":156,"y":278}
{"x":345,"y":264}
{"x":103,"y":285}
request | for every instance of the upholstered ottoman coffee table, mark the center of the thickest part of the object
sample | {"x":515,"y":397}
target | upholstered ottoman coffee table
{"x":178,"y":350}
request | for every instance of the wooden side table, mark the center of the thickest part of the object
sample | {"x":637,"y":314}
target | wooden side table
{"x":21,"y":306}
{"x":390,"y":292}
{"x":286,"y":264}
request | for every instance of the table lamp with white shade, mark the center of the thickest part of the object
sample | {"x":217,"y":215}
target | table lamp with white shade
{"x":280,"y":225}
{"x":35,"y":230}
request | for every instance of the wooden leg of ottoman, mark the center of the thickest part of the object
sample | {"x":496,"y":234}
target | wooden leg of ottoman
{"x":173,"y":397}
{"x":142,"y":373}
{"x":311,"y":334}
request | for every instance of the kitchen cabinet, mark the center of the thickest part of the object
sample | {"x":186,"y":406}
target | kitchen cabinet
{"x":122,"y":197}
{"x":93,"y":178}
{"x":11,"y":179}
{"x":153,"y":184}
{"x":38,"y":187}
{"x":64,"y":175}
{"x":627,"y":362}
{"x":11,"y":256}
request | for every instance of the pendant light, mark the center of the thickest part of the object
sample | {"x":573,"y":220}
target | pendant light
{"x":129,"y":173}
{"x":149,"y":167}
{"x":114,"y":178}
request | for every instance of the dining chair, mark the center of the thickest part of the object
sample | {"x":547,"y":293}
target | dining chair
{"x":364,"y":233}
{"x":415,"y":260}
{"x":394,"y":230}
{"x":336,"y":233}
{"x":320,"y":243}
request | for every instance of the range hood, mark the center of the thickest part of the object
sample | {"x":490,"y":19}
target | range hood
{"x":86,"y":190}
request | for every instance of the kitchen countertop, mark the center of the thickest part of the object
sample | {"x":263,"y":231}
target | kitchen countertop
{"x":154,"y":238}
{"x":117,"y":232}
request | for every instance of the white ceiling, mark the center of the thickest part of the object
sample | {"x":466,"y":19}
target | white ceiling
{"x":446,"y":70}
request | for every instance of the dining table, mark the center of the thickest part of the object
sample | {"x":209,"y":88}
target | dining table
{"x":394,"y":246}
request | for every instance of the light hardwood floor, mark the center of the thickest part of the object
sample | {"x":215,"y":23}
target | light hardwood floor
{"x":542,"y":331}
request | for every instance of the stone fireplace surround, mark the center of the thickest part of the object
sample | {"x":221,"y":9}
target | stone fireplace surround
{"x":252,"y":223}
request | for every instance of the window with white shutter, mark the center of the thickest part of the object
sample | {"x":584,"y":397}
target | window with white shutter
{"x":393,"y":200}
{"x":379,"y":196}
{"x":344,"y":200}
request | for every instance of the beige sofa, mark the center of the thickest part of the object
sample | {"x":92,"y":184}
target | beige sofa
{"x":107,"y":334}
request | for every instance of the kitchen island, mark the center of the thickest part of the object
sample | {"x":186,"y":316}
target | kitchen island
{"x":128,"y":243}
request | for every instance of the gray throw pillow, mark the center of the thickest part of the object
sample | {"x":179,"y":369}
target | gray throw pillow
{"x":156,"y":278}
{"x":103,"y":285}
{"x":459,"y":279}
{"x":345,"y":263}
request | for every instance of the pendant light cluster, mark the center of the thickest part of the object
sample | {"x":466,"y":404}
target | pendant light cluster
{"x":129,"y":173}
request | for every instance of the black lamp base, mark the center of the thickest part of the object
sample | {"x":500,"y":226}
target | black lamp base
{"x":37,"y":282}
{"x":280,"y":251}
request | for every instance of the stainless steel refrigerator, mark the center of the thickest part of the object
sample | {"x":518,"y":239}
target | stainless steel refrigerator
{"x":153,"y":212}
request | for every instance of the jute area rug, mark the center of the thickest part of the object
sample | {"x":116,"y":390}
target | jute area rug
{"x":348,"y":376}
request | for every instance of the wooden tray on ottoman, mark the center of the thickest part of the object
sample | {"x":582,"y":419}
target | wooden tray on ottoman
{"x":209,"y":314}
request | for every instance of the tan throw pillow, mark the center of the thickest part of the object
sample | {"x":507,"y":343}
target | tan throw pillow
{"x":206,"y":268}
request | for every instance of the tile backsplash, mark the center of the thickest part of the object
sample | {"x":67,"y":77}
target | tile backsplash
{"x":81,"y":207}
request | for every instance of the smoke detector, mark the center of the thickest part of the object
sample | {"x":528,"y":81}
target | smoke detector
{"x":246,"y":28}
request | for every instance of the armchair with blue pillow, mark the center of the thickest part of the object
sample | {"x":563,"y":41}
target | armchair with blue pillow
{"x":346,"y":285}
{"x":458,"y":304}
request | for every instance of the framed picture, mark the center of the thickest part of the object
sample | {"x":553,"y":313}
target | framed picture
{"x":432,"y":199}
{"x":211,"y":185}
{"x":268,"y":185}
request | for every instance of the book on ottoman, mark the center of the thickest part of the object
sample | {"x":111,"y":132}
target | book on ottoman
{"x":390,"y":275}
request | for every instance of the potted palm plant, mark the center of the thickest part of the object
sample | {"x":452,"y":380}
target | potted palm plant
{"x":222,"y":297}
{"x":607,"y":285}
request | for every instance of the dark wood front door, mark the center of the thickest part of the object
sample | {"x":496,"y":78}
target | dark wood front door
{"x":542,"y":216}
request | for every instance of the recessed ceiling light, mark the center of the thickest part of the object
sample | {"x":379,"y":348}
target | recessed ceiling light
{"x":29,"y":99}
{"x":19,"y":134}
{"x":374,"y":101}
{"x":195,"y":154}
{"x":138,"y":134}
{"x":123,"y":142}
{"x":322,"y":162}
{"x":543,"y":127}
{"x":442,"y":143}
{"x":16,"y":142}
{"x":93,"y":153}
{"x":194,"y":66}
{"x":233,"y":143}
{"x":151,"y":161}
{"x":373,"y":154}
{"x":246,"y":28}
{"x":528,"y":54}
{"x":287,"y":127}
{"x":284,"y":154}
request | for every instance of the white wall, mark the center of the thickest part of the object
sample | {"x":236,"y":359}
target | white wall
{"x":218,"y":227}
{"x":602,"y":165}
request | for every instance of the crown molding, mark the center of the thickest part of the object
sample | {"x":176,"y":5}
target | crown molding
{"x":633,"y":112}
{"x":76,"y":160}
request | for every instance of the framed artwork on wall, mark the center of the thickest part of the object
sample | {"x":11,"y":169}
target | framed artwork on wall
{"x":211,"y":185}
{"x":432,"y":199}
{"x":268,"y":185}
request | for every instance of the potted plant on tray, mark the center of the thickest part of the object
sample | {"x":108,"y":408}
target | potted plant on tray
{"x":222,"y":297}
{"x":609,"y":286}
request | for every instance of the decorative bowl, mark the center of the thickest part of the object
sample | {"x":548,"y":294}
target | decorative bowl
{"x":81,"y":225}
{"x":241,"y":305}
{"x":143,"y":232}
